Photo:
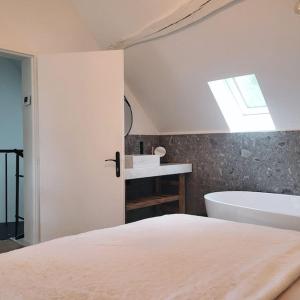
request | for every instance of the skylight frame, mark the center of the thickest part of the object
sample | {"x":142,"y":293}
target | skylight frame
{"x":241,"y":101}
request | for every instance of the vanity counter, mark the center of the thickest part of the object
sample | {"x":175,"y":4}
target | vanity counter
{"x":162,"y":170}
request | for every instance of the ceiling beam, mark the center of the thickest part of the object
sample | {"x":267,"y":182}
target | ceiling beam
{"x":188,"y":13}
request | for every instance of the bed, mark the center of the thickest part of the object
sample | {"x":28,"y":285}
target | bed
{"x":169,"y":257}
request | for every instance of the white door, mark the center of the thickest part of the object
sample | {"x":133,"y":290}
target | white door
{"x":81,"y":120}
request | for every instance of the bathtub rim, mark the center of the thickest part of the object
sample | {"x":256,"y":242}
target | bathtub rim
{"x":251,"y":208}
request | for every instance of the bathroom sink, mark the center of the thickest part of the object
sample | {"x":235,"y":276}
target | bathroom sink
{"x":141,"y":161}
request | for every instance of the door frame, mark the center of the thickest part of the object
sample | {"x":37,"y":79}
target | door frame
{"x":31,"y":190}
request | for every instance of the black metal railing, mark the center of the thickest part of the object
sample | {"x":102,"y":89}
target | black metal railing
{"x":18,"y":154}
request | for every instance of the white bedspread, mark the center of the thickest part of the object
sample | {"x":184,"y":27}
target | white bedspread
{"x":170,"y":257}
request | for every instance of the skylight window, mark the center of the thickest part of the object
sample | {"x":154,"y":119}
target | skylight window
{"x":242,"y":103}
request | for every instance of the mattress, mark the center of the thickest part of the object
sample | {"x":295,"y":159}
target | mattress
{"x":169,"y":257}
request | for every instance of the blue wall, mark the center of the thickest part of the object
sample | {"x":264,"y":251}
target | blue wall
{"x":11,"y":129}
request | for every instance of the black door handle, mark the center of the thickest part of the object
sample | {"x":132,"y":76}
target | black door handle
{"x":117,"y":161}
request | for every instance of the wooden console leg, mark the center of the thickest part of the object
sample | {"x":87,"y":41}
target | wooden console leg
{"x":181,"y":193}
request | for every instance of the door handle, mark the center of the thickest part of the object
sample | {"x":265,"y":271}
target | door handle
{"x":117,"y":161}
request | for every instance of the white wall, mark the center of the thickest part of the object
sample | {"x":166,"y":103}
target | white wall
{"x":169,"y":76}
{"x":38,"y":26}
{"x":142,"y":124}
{"x":11,"y":131}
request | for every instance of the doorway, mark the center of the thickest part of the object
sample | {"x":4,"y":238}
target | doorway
{"x":70,"y":138}
{"x":18,"y":210}
{"x":11,"y":149}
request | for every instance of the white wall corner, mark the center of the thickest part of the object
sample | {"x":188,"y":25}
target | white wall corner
{"x":142,"y":124}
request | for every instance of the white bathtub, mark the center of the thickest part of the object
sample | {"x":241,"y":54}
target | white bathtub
{"x":275,"y":210}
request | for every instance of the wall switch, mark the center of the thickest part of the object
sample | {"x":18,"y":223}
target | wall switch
{"x":27,"y":101}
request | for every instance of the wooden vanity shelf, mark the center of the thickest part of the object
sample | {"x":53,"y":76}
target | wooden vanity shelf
{"x":155,"y":191}
{"x":159,"y":196}
{"x":150,"y":201}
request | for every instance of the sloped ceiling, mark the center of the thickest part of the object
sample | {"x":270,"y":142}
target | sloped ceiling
{"x":114,"y":20}
{"x":169,"y":75}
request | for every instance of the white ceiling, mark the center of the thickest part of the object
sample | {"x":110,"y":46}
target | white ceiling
{"x":114,"y":20}
{"x":169,"y":76}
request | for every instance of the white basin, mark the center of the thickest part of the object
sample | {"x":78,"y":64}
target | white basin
{"x":141,"y":161}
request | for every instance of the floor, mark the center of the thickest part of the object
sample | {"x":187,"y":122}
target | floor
{"x":8,"y":245}
{"x":8,"y":230}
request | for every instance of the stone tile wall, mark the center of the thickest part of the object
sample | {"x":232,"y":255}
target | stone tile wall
{"x":263,"y":162}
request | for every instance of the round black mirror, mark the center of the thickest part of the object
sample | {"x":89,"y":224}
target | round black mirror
{"x":128,"y":116}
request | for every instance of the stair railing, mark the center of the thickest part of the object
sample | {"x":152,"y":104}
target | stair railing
{"x":18,"y":153}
